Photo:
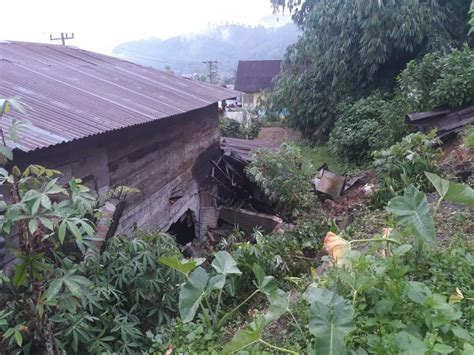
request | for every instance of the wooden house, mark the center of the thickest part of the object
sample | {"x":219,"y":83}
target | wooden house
{"x":254,"y":78}
{"x":115,"y":123}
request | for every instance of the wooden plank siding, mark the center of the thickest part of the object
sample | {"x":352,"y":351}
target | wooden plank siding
{"x":165,"y":158}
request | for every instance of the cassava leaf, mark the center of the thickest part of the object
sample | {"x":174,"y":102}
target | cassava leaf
{"x":21,"y":271}
{"x":53,"y":289}
{"x":62,"y":231}
{"x":413,"y":211}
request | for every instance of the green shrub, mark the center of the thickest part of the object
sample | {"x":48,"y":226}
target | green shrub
{"x":285,"y":177}
{"x":103,"y":305}
{"x":357,"y":130}
{"x":131,"y":293}
{"x":233,"y":129}
{"x":289,"y":254}
{"x":377,"y":123}
{"x":438,"y":80}
{"x":398,"y":309}
{"x":405,"y":163}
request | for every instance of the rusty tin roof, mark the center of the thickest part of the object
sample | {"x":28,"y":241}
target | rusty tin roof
{"x":256,"y":75}
{"x":72,"y":93}
{"x":245,"y":147}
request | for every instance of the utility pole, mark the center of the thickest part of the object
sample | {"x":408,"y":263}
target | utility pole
{"x":63,"y":38}
{"x":212,"y":65}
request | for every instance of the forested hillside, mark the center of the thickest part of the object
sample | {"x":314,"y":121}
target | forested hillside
{"x":227,"y":44}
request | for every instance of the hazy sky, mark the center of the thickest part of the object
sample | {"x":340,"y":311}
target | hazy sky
{"x":100,"y":25}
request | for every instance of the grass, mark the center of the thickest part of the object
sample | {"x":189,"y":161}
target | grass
{"x":468,"y":137}
{"x":320,"y":154}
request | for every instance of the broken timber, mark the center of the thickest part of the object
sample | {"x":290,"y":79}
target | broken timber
{"x":447,"y":121}
{"x":248,"y":220}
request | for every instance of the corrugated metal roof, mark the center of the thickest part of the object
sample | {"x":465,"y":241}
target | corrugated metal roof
{"x":245,"y":147}
{"x":72,"y":93}
{"x":256,"y":75}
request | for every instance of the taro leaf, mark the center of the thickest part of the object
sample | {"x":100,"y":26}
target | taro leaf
{"x":266,"y":284}
{"x":413,"y":211}
{"x":402,"y":250}
{"x":259,"y":273}
{"x":451,"y":191}
{"x":191,"y":294}
{"x":216,"y":282}
{"x":331,"y":319}
{"x":313,"y":293}
{"x":184,"y":266}
{"x":6,"y":152}
{"x":409,"y":344}
{"x":279,"y":305}
{"x":246,"y":337}
{"x":225,"y":264}
{"x":441,"y":185}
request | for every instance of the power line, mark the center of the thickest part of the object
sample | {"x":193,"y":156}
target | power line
{"x":64,"y":37}
{"x":155,"y":58}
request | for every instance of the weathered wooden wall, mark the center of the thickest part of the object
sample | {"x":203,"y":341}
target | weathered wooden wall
{"x":164,"y":159}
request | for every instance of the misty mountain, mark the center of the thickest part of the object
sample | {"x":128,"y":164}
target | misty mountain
{"x":227,"y":44}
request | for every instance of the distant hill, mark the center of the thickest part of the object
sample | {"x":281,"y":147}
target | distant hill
{"x":226,"y":44}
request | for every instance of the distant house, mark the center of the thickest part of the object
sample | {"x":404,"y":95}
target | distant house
{"x":254,"y":78}
{"x":114,"y":123}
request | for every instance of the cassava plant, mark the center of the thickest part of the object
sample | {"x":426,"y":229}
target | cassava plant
{"x":42,"y":217}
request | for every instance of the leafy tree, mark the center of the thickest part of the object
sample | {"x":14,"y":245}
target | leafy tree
{"x":375,"y":122}
{"x":348,"y":48}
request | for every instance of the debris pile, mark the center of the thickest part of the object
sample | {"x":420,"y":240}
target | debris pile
{"x":447,"y":122}
{"x":330,"y":185}
{"x":239,"y":201}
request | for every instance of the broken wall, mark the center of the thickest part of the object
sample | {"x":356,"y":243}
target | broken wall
{"x":168,"y":160}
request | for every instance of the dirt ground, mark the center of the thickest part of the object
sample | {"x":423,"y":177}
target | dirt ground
{"x":278,"y":135}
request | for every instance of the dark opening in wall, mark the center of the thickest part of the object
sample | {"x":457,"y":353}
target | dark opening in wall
{"x":183,"y":229}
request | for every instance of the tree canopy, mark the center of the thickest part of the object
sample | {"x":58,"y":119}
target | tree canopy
{"x":350,"y":47}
